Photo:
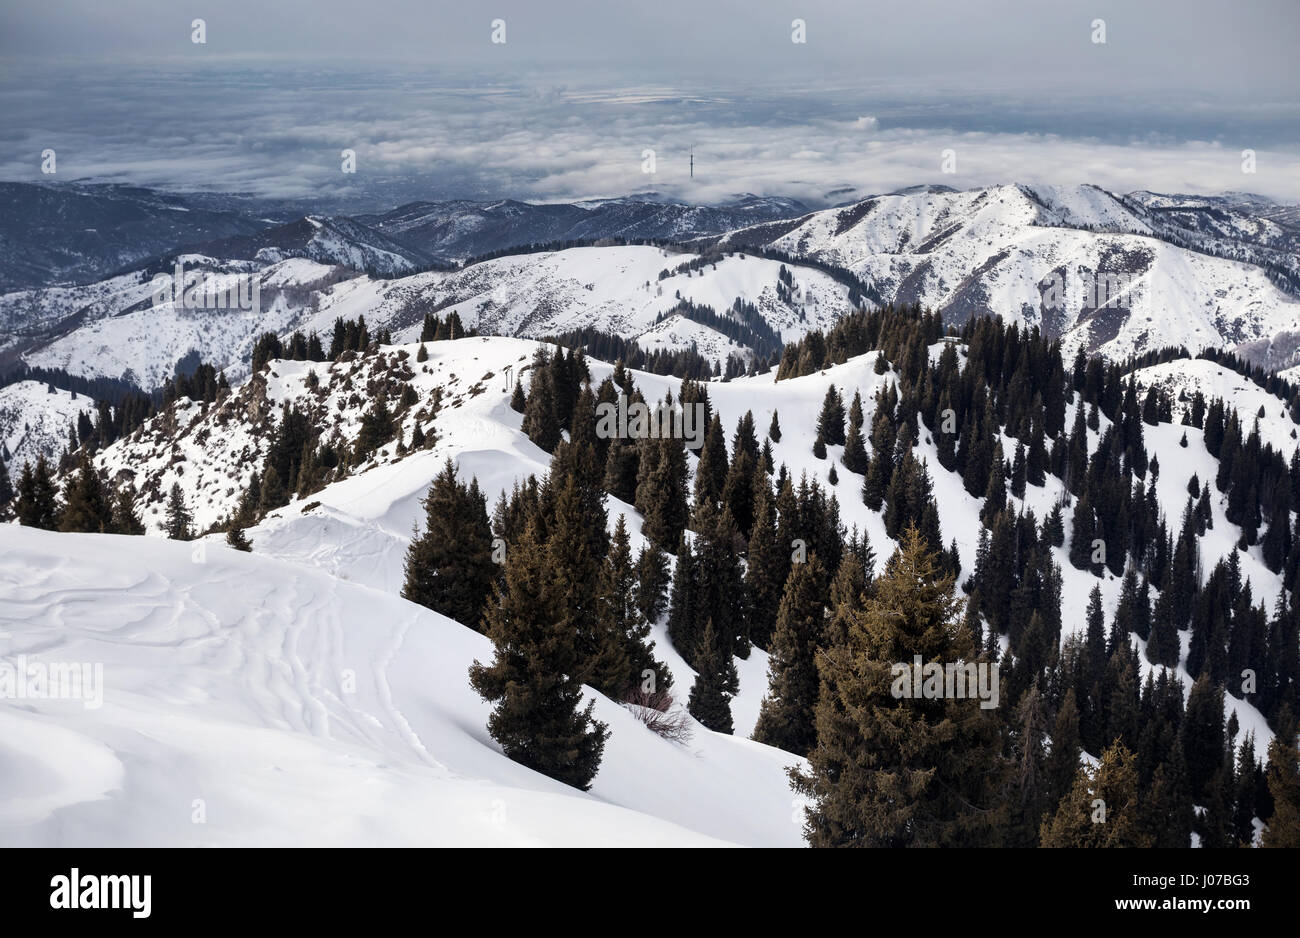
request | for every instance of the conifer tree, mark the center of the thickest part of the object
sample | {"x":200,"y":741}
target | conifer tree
{"x":273,"y":493}
{"x":541,"y":412}
{"x":652,"y":582}
{"x":1079,"y":821}
{"x":377,"y":428}
{"x":87,"y":503}
{"x":6,"y":485}
{"x":995,"y":495}
{"x":786,"y":718}
{"x":1063,"y":759}
{"x":538,"y":717}
{"x":1245,"y":788}
{"x":179,"y":522}
{"x":623,"y":619}
{"x":449,"y":566}
{"x":1082,"y":534}
{"x":37,"y":505}
{"x":1029,"y":769}
{"x":718,"y":590}
{"x":661,"y":491}
{"x":711,"y":472}
{"x":890,"y":771}
{"x":855,"y":449}
{"x":765,"y":562}
{"x":710,"y":700}
{"x":126,"y":518}
{"x":236,"y":539}
{"x":830,"y":423}
{"x":682,"y":629}
{"x":1202,"y":735}
{"x":1283,"y":775}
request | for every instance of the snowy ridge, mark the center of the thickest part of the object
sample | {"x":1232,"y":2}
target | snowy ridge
{"x":359,"y":527}
{"x":991,"y":250}
{"x":212,"y":689}
{"x":34,"y":422}
{"x":286,"y":707}
{"x":617,"y":289}
{"x":1183,"y":378}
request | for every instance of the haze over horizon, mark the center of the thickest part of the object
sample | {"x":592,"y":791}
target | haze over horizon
{"x":568,"y":105}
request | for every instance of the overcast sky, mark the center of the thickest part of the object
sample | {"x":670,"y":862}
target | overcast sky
{"x":1017,"y":89}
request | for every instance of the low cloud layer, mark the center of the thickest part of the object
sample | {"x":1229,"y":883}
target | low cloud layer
{"x":279,"y":131}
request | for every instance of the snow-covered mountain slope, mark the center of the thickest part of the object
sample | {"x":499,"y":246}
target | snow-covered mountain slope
{"x":612,"y":289}
{"x":113,"y":329}
{"x":458,"y":230}
{"x":1241,"y":226}
{"x":118,"y":332}
{"x":1183,"y":378}
{"x":994,"y":250}
{"x":273,"y":689}
{"x":242,"y":700}
{"x":358,"y":528}
{"x":326,"y":240}
{"x":34,"y":421}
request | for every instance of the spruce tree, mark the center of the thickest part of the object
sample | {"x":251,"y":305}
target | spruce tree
{"x":1063,"y":758}
{"x":1080,"y":821}
{"x":855,"y":457}
{"x":652,"y":582}
{"x":538,"y":717}
{"x":449,"y":567}
{"x":541,"y":411}
{"x":710,"y":700}
{"x":786,"y":718}
{"x":126,"y":518}
{"x":236,"y":539}
{"x":179,"y":525}
{"x":1202,"y":736}
{"x":1029,"y":769}
{"x":830,"y":423}
{"x":6,"y":485}
{"x":890,"y":771}
{"x":623,"y":619}
{"x":273,"y":493}
{"x":37,"y":505}
{"x":765,"y":562}
{"x":87,"y":503}
{"x":1283,"y":775}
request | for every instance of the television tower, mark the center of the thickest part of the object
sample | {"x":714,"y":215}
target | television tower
{"x":692,"y":162}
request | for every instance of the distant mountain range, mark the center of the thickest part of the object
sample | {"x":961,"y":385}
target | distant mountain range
{"x":1111,"y":274}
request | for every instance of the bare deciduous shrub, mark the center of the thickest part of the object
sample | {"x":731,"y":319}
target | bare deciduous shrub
{"x":657,"y":711}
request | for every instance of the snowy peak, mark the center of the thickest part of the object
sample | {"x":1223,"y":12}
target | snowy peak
{"x":326,"y":240}
{"x":1113,"y":275}
{"x":35,"y":420}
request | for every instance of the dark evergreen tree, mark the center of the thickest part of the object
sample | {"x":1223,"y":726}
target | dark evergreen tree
{"x":37,"y":505}
{"x":538,"y":717}
{"x":710,"y":700}
{"x":449,"y":567}
{"x":179,"y":525}
{"x":888,"y":771}
{"x":786,"y":718}
{"x":87,"y":502}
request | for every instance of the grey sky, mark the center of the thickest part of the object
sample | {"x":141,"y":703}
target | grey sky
{"x":566,"y":106}
{"x":1242,"y":47}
